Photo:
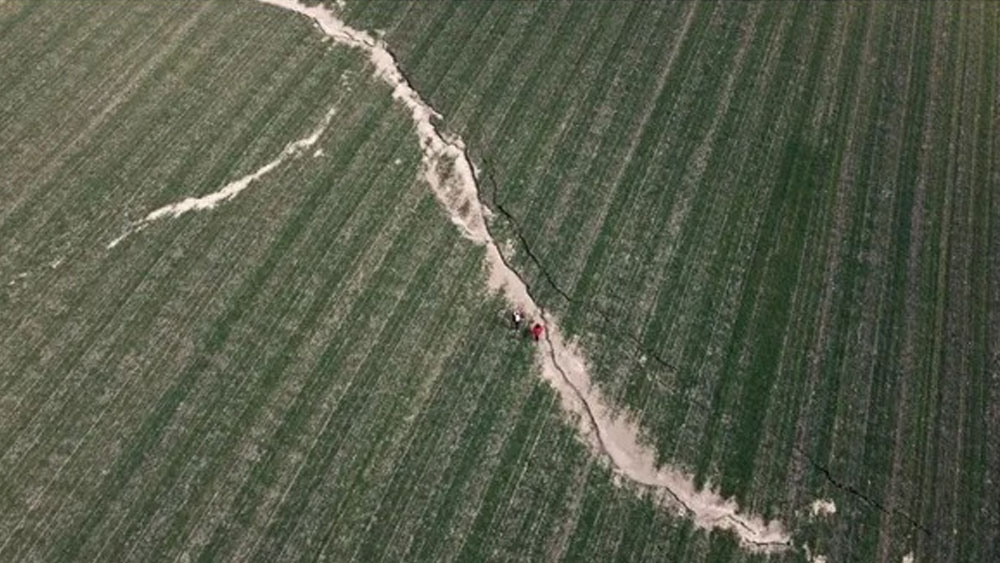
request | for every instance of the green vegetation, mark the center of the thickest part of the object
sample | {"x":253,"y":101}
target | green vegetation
{"x":792,"y":206}
{"x":772,"y":226}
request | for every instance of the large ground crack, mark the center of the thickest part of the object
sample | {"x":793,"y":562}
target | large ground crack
{"x":448,"y":170}
{"x":857,"y":493}
{"x":550,"y":279}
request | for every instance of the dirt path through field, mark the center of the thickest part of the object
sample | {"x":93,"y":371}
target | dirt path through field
{"x":451,"y":175}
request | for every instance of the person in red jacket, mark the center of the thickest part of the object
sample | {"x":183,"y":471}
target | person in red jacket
{"x":537,"y":331}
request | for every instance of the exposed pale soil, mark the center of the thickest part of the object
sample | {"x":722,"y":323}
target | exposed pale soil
{"x":232,"y":189}
{"x":452,"y":177}
{"x":823,"y":507}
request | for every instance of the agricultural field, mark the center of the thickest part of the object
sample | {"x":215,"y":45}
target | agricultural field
{"x":254,"y":290}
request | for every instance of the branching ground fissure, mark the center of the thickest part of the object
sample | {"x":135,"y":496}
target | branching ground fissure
{"x":516,"y":227}
{"x":825,"y":471}
{"x":448,"y":171}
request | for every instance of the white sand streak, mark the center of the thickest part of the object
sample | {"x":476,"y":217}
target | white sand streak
{"x":823,"y":507}
{"x":230,"y":190}
{"x":450,"y":174}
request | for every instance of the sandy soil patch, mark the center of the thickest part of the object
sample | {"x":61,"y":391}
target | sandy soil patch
{"x":823,"y":507}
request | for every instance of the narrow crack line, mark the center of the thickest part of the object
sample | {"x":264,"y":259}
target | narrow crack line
{"x":516,"y":226}
{"x":551,"y":347}
{"x":454,"y":180}
{"x":595,"y":426}
{"x":841,"y":485}
{"x":581,"y":396}
{"x":550,"y":279}
{"x":519,"y":232}
{"x":854,"y":491}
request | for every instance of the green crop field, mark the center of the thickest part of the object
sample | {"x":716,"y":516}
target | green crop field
{"x":238,"y":324}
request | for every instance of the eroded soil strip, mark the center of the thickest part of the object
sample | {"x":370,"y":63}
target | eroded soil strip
{"x":449,"y":172}
{"x":230,"y":190}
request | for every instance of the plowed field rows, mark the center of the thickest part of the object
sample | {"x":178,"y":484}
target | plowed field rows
{"x":772,"y":228}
